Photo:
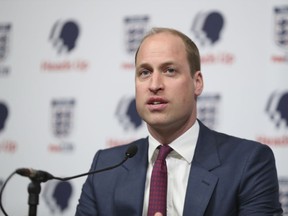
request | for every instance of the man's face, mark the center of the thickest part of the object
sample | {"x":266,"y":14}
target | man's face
{"x":165,"y":90}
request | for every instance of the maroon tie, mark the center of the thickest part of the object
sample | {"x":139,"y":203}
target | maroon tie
{"x":158,"y":184}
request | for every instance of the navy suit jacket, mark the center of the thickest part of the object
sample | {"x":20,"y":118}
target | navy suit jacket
{"x":229,"y":176}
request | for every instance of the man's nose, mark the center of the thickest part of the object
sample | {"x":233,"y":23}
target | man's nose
{"x":156,"y":82}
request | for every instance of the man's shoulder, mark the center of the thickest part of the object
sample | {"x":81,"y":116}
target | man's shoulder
{"x":120,"y":151}
{"x":125,"y":146}
{"x":227,"y":140}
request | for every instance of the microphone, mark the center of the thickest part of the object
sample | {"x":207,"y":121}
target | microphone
{"x":43,"y":176}
{"x":37,"y":175}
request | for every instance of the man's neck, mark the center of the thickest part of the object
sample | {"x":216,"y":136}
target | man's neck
{"x":167,"y":135}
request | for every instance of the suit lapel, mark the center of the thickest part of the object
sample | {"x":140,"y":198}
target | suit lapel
{"x":130,"y":188}
{"x":202,"y":182}
{"x":199,"y":191}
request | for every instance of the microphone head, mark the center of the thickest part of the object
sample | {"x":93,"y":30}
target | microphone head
{"x":131,"y":151}
{"x":24,"y":172}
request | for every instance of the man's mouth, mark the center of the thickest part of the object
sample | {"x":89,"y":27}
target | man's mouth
{"x":156,"y":104}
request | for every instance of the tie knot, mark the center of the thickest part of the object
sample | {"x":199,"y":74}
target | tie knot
{"x":164,"y":150}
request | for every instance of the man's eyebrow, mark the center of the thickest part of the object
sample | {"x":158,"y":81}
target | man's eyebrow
{"x":145,"y":64}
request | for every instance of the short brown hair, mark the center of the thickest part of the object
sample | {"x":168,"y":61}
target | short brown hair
{"x":193,"y":55}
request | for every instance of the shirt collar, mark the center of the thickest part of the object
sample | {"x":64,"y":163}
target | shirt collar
{"x":183,"y":146}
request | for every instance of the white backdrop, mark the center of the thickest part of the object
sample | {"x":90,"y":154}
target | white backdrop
{"x":67,"y":82}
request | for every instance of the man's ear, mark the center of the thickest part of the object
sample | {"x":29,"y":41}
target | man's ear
{"x":198,"y":83}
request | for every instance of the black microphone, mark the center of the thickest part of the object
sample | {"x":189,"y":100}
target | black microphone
{"x":43,"y":176}
{"x":37,"y":175}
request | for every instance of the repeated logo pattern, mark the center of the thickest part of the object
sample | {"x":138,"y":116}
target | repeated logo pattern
{"x":207,"y":27}
{"x":127,"y":114}
{"x":208,"y":109}
{"x":135,"y":29}
{"x":3,"y":115}
{"x":64,"y":36}
{"x":277,"y":109}
{"x":281,"y":27}
{"x":57,"y":196}
{"x":62,"y":116}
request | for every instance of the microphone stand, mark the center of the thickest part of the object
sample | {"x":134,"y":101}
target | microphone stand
{"x":37,"y":177}
{"x":34,"y":189}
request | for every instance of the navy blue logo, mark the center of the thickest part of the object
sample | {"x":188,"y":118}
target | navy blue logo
{"x":57,"y":195}
{"x":64,"y":36}
{"x":62,"y":116}
{"x":208,"y":109}
{"x":135,"y":29}
{"x":281,"y":26}
{"x":277,"y":109}
{"x":3,"y":115}
{"x":127,"y":114}
{"x":207,"y":27}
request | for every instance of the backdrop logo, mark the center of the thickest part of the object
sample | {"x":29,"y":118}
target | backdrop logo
{"x":135,"y":27}
{"x":127,"y":114}
{"x":6,"y":145}
{"x":62,"y":123}
{"x":5,"y":31}
{"x":62,"y":117}
{"x":281,"y":27}
{"x":64,"y":36}
{"x":129,"y":120}
{"x":3,"y":115}
{"x":281,"y":33}
{"x":207,"y":27}
{"x":283,"y":194}
{"x":57,"y":196}
{"x":64,"y":39}
{"x":277,"y":109}
{"x":208,"y":109}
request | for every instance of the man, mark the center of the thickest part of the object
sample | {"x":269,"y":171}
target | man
{"x":209,"y":173}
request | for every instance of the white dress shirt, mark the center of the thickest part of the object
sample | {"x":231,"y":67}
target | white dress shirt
{"x":178,"y":166}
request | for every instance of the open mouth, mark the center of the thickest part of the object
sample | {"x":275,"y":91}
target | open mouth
{"x":156,"y":104}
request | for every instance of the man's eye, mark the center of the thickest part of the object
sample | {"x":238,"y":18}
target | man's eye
{"x":144,"y":73}
{"x":170,"y":70}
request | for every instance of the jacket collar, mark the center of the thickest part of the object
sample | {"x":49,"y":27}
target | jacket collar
{"x":129,"y":193}
{"x":202,"y":182}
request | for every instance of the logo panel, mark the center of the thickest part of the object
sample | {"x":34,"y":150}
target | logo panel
{"x":128,"y":119}
{"x":6,"y":145}
{"x":57,"y":196}
{"x":135,"y":27}
{"x":281,"y":34}
{"x":281,"y":27}
{"x":5,"y":34}
{"x":64,"y":38}
{"x":207,"y":27}
{"x":277,"y":112}
{"x":208,"y":109}
{"x":62,"y":124}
